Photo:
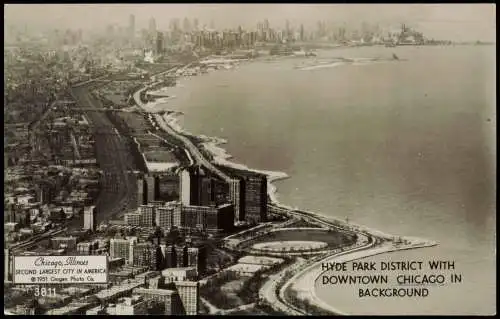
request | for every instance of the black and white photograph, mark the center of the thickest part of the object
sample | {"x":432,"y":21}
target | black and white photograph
{"x":231,"y":159}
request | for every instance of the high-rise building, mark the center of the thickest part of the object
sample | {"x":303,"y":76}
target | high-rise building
{"x":186,"y":25}
{"x":147,"y":213}
{"x":185,"y":186}
{"x":150,"y":186}
{"x":159,"y":43}
{"x":190,"y":296}
{"x":140,"y":192}
{"x":146,"y":255}
{"x":250,"y":191}
{"x":152,"y":26}
{"x":211,"y":219}
{"x":197,"y":258}
{"x":89,"y":218}
{"x":131,"y":26}
{"x":164,"y":217}
{"x":236,"y":193}
{"x":122,"y":248}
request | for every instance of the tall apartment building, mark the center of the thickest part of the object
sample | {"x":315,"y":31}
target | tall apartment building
{"x":255,"y":198}
{"x":237,"y":193}
{"x":146,"y":255}
{"x":185,"y":186}
{"x":211,"y":219}
{"x":89,"y":218}
{"x":197,"y":257}
{"x":122,"y":248}
{"x":164,"y":217}
{"x":151,"y":188}
{"x":249,"y":189}
{"x":147,"y":213}
{"x":141,"y":198}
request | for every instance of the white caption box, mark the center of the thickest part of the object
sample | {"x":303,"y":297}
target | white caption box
{"x":60,"y":269}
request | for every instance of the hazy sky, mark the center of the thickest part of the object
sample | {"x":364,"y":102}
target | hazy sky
{"x":450,"y":21}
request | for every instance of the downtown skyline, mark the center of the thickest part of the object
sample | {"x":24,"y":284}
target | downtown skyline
{"x":456,"y":22}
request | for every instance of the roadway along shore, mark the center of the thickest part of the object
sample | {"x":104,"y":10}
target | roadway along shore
{"x":370,"y":242}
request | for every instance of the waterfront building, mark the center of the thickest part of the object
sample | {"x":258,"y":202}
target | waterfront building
{"x":190,"y":296}
{"x":89,"y":218}
{"x":255,"y":199}
{"x":251,"y":191}
{"x":236,"y":193}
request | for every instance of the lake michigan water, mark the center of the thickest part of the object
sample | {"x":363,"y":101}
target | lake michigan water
{"x":406,"y":147}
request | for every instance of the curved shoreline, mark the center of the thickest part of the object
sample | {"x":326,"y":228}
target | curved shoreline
{"x":302,"y":277}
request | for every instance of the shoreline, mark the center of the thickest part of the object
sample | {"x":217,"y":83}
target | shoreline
{"x":222,"y":157}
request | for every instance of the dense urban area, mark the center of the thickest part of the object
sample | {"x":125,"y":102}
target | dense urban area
{"x":90,"y":171}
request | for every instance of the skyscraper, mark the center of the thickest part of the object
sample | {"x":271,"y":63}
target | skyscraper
{"x":186,"y":25}
{"x":140,"y":191}
{"x":89,"y":220}
{"x":131,"y":26}
{"x":159,"y":43}
{"x":152,"y":25}
{"x":185,"y":181}
{"x":151,"y":190}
